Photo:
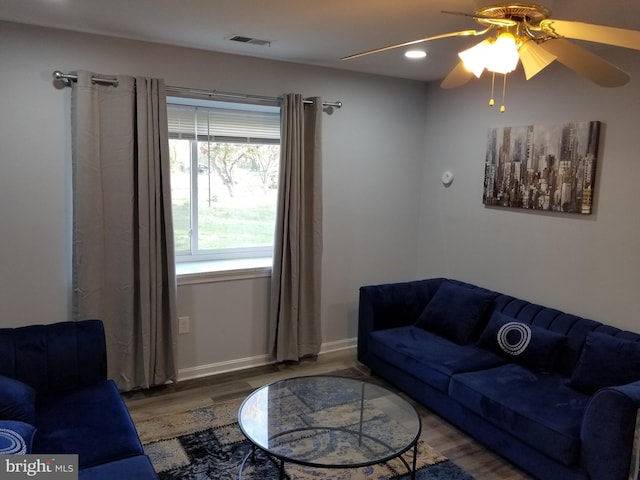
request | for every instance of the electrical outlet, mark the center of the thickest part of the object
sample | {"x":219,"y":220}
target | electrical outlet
{"x":184,"y":325}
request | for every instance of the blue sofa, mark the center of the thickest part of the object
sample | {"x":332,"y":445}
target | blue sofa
{"x":55,"y":395}
{"x":554,"y":393}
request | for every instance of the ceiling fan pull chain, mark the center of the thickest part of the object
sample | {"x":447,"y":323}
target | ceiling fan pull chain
{"x":504,"y":89}
{"x":493,"y":81}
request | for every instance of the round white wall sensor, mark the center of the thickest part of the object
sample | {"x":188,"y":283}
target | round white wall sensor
{"x":447,"y":178}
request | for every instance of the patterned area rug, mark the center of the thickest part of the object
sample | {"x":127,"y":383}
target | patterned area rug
{"x":207,"y":444}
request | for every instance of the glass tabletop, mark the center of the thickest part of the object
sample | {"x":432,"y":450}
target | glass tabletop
{"x":329,"y":421}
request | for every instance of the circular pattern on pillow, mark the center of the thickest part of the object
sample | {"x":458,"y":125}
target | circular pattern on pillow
{"x":11,"y":442}
{"x":514,"y":337}
{"x":529,"y":345}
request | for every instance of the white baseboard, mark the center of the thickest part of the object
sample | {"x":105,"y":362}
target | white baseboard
{"x":257,"y":361}
{"x":338,"y":346}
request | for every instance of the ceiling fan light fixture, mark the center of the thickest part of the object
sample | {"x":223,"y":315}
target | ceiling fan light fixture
{"x":475,"y":59}
{"x":503,"y":56}
{"x":534,"y":58}
{"x":499,"y":55}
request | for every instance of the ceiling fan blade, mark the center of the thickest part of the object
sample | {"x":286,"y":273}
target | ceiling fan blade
{"x":457,"y":77}
{"x":463,"y":33}
{"x":586,"y":63}
{"x":534,"y":58}
{"x":620,"y":37}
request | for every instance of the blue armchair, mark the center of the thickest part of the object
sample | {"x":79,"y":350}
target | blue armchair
{"x":55,"y":393}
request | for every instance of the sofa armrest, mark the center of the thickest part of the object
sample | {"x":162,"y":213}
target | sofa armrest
{"x":391,"y":305}
{"x":608,"y":432}
{"x":55,"y":357}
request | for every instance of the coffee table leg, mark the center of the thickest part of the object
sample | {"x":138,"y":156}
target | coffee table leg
{"x":415,"y":459}
{"x":251,"y":454}
{"x":361,"y":413}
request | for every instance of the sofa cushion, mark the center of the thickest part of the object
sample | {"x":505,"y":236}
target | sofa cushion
{"x":534,"y":347}
{"x":455,"y":312}
{"x":17,"y":400}
{"x":606,"y":361}
{"x":538,"y":409}
{"x":428,"y":356}
{"x":15,"y":437}
{"x":92,"y":422}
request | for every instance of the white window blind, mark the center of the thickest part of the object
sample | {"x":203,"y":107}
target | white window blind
{"x":224,"y":124}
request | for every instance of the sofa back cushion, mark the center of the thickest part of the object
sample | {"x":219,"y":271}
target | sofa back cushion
{"x":606,"y":361}
{"x":456,"y":312}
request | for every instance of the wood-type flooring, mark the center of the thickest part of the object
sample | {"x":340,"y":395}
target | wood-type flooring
{"x":448,"y":440}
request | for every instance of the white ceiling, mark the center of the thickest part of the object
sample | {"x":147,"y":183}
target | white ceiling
{"x":317,"y":32}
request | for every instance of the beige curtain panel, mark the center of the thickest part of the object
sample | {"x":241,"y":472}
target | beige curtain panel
{"x":123,"y":253}
{"x":296,"y":280}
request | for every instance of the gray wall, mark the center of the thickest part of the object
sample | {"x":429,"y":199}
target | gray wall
{"x":586,"y":265}
{"x":373,"y":156}
{"x":387,"y":217}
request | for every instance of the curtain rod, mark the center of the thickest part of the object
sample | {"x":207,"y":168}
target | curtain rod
{"x":72,"y":77}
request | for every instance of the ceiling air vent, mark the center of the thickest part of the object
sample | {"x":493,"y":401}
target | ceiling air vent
{"x":252,"y":41}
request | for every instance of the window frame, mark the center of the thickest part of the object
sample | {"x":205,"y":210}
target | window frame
{"x":221,"y":259}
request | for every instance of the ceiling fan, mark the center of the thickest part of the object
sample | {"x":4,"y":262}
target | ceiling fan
{"x":526,"y":33}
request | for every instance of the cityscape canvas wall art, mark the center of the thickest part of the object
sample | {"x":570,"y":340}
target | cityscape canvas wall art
{"x":542,"y":167}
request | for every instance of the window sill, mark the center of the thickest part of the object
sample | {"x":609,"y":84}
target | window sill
{"x":189,"y":273}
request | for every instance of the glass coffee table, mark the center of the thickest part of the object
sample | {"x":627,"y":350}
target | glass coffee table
{"x":329,"y":422}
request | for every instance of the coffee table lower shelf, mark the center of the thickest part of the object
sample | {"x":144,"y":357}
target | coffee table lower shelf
{"x":280,"y":462}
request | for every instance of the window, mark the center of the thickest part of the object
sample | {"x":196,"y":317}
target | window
{"x":224,"y":178}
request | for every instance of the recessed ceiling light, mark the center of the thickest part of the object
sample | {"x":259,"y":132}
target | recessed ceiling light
{"x":415,"y":54}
